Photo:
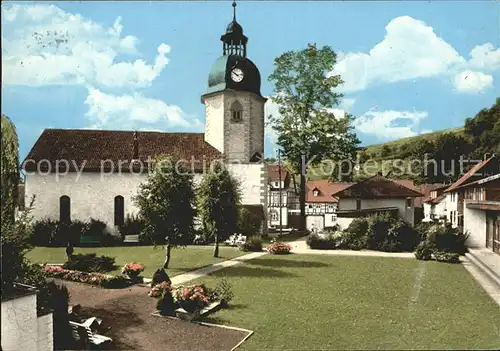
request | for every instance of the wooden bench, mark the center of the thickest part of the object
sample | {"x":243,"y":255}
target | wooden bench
{"x":90,"y":240}
{"x":131,"y":239}
{"x":83,"y":334}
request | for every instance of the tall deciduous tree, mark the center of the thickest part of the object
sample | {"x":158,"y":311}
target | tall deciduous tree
{"x":166,"y":204}
{"x":9,"y":169}
{"x":219,"y":198}
{"x":307,"y":129}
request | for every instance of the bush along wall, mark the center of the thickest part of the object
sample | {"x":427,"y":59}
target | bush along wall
{"x":379,"y":232}
{"x":48,"y":232}
{"x":442,"y":243}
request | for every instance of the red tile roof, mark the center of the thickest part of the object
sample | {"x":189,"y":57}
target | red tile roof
{"x":273,"y":172}
{"x":482,"y":181}
{"x":377,"y":187}
{"x":96,"y":146}
{"x":473,"y":172}
{"x":434,"y":201}
{"x":326,"y":190}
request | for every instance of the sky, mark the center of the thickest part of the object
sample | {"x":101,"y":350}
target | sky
{"x":408,"y":67}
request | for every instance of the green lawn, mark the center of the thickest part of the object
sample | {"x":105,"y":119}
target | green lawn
{"x":311,"y":302}
{"x":183,"y":259}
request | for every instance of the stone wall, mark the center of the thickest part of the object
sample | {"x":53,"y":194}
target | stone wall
{"x":22,"y":329}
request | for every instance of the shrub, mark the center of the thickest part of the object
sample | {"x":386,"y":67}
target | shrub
{"x":328,"y":242}
{"x":422,"y":229}
{"x":133,"y":225}
{"x":58,"y":302}
{"x":378,"y":233}
{"x":48,"y":232}
{"x":424,"y":251}
{"x":94,"y":228}
{"x":43,"y":232}
{"x":279,"y":248}
{"x":224,"y":291}
{"x":449,"y":257}
{"x":248,"y":223}
{"x":91,"y":263}
{"x":253,"y":243}
{"x":405,"y":236}
{"x":355,"y":236}
{"x":447,"y":239}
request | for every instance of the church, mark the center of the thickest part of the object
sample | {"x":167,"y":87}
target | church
{"x":78,"y":174}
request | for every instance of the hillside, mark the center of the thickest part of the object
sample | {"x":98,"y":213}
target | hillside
{"x":382,"y":157}
{"x":395,"y":147}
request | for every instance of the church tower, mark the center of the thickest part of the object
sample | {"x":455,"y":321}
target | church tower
{"x":234,"y":107}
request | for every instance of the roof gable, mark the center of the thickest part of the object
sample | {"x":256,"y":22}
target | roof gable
{"x":377,"y":187}
{"x":490,"y":165}
{"x":326,"y":190}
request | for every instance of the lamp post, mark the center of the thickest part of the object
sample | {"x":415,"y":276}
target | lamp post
{"x":280,"y":191}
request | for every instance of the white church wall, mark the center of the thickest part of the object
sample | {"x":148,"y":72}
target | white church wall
{"x":92,"y":194}
{"x":214,"y":121}
{"x":253,"y":182}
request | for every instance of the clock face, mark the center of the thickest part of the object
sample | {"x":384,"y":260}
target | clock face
{"x":237,"y":75}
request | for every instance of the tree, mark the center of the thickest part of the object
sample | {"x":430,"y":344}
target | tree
{"x":166,"y":204}
{"x":306,"y":127}
{"x":218,"y":202}
{"x":9,"y":169}
{"x":484,"y":130}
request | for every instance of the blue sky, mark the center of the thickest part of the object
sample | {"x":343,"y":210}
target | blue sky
{"x":409,"y":67}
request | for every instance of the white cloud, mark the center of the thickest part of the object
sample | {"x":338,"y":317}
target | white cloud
{"x":270,"y":108}
{"x":473,"y":82}
{"x":390,"y":124}
{"x":133,"y":112}
{"x":45,"y":45}
{"x":410,"y":50}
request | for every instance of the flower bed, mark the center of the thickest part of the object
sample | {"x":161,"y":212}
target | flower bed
{"x":98,"y":279}
{"x":189,"y":302}
{"x":132,"y":270}
{"x":279,"y":248}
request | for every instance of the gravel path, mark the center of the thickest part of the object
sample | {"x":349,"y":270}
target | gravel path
{"x":128,"y":312}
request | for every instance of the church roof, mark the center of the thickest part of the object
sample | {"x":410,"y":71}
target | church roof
{"x":91,"y":148}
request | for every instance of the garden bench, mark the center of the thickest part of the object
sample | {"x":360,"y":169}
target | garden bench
{"x":235,"y":240}
{"x":131,"y":239}
{"x":83,"y":333}
{"x":90,"y":240}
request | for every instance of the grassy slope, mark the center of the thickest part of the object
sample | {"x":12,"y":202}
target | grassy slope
{"x":183,"y":259}
{"x":307,"y":302}
{"x":377,"y":148}
{"x":384,"y":163}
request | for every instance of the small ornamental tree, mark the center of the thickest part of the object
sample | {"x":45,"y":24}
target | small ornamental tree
{"x":218,"y":202}
{"x":166,"y":204}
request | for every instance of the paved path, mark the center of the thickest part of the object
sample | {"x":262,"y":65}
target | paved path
{"x":183,"y":278}
{"x":300,"y":247}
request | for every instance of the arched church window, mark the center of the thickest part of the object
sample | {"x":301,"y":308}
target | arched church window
{"x":119,"y":210}
{"x":64,"y":209}
{"x":236,"y":112}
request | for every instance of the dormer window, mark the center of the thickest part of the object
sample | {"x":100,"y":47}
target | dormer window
{"x":315,"y":192}
{"x":236,"y":112}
